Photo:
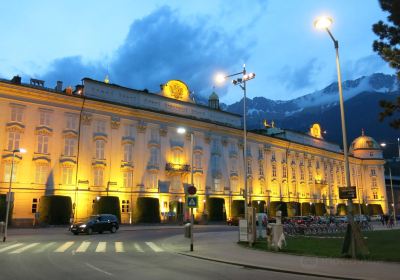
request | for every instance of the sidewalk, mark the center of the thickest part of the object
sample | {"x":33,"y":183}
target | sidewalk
{"x":223,"y":247}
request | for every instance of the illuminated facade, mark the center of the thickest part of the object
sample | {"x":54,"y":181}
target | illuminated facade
{"x":103,"y":139}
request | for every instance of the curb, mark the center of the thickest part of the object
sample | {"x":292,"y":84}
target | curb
{"x":272,"y":268}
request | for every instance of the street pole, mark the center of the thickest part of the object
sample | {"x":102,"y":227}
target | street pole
{"x":398,"y":145}
{"x":391,"y":188}
{"x":245,"y":147}
{"x":9,"y":195}
{"x":191,"y":182}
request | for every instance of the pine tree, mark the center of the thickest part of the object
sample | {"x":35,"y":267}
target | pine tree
{"x":388,"y":47}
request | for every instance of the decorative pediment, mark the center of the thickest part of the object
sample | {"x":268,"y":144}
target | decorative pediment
{"x":100,"y":136}
{"x":41,"y":158}
{"x":127,"y":166}
{"x":68,"y":133}
{"x":115,"y":122}
{"x":153,"y":143}
{"x":67,"y":161}
{"x":99,"y":163}
{"x":15,"y":127}
{"x":128,"y":140}
{"x":176,"y":144}
{"x":43,"y":130}
{"x":198,"y":150}
{"x":8,"y":156}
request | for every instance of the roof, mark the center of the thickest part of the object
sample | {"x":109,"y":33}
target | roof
{"x":364,"y":142}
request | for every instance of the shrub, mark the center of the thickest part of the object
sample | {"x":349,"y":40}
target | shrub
{"x":320,"y":209}
{"x":215,"y":209}
{"x":107,"y":205}
{"x":147,"y":210}
{"x":55,"y":209}
{"x":341,"y":209}
{"x":306,"y":209}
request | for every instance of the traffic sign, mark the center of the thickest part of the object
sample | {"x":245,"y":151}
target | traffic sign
{"x":192,"y":190}
{"x":192,"y":201}
{"x":347,"y":192}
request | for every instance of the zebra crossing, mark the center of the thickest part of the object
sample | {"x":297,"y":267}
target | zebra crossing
{"x":76,"y":247}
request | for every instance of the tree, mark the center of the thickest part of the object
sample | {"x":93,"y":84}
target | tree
{"x":388,"y":47}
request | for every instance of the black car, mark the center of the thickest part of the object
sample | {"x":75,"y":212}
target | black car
{"x":97,"y":223}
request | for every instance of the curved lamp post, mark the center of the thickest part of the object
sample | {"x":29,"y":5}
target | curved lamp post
{"x":241,"y":82}
{"x":22,"y":151}
{"x":325,"y":23}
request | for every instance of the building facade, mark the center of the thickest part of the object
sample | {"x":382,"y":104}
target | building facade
{"x":102,"y":139}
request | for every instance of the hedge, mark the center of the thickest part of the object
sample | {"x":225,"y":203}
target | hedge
{"x":259,"y":205}
{"x":277,"y":205}
{"x":147,"y":210}
{"x":55,"y":209}
{"x":293,"y":209}
{"x":341,"y":209}
{"x":215,"y":209}
{"x":107,"y":205}
{"x":3,"y":209}
{"x":238,"y":208}
{"x":306,"y":209}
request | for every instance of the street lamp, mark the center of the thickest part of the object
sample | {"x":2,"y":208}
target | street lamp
{"x":22,"y":151}
{"x":325,"y":23}
{"x":241,"y":81}
{"x":182,"y":130}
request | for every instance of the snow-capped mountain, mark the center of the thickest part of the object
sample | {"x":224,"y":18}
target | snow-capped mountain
{"x":362,"y":109}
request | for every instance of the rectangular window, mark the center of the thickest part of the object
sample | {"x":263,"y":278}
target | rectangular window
{"x":16,"y":114}
{"x":153,"y":181}
{"x":234,"y":165}
{"x":234,"y":185}
{"x":35,"y":202}
{"x":128,"y":179}
{"x":274,"y":170}
{"x":293,"y":172}
{"x":128,"y":152}
{"x":69,"y":147}
{"x":72,"y":122}
{"x":129,"y":130}
{"x":43,"y":144}
{"x":7,"y":172}
{"x":44,"y":118}
{"x":67,"y":174}
{"x":154,"y":135}
{"x":374,"y":183}
{"x":154,"y":156}
{"x":41,"y":174}
{"x":310,"y":175}
{"x":197,"y":161}
{"x":249,"y":169}
{"x":373,"y":172}
{"x":125,"y":206}
{"x":261,"y":169}
{"x":98,"y":177}
{"x":302,"y":172}
{"x":13,"y":141}
{"x":284,"y":171}
{"x":217,"y":185}
{"x":198,"y":182}
{"x":100,"y":149}
{"x":177,"y":155}
{"x":100,"y":126}
{"x":375,"y":194}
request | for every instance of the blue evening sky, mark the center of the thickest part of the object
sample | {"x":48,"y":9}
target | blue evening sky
{"x":142,"y":44}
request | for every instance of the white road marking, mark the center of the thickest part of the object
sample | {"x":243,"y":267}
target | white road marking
{"x":119,"y":247}
{"x":138,"y":248}
{"x":64,"y":247}
{"x":11,"y":247}
{"x":101,"y":247}
{"x":98,"y":269}
{"x":154,"y":247}
{"x":20,"y":250}
{"x":83,"y":247}
{"x":44,"y":247}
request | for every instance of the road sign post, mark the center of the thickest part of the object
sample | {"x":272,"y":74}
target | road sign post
{"x":192,"y":202}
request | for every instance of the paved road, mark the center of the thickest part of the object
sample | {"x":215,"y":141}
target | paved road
{"x":131,"y":253}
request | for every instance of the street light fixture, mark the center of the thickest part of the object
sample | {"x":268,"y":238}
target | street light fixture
{"x":241,"y":82}
{"x":182,"y":130}
{"x":22,"y":151}
{"x":325,"y":23}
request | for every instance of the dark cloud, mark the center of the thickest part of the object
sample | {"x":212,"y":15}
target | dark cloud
{"x":158,"y":48}
{"x":301,"y":77}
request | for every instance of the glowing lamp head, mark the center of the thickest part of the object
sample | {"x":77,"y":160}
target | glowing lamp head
{"x":383,"y":144}
{"x":323,"y":22}
{"x":220,"y":78}
{"x":181,"y":130}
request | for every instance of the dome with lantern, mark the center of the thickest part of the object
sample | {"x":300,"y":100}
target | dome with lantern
{"x":365,"y":147}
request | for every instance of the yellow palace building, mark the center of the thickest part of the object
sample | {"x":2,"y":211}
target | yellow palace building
{"x":102,"y":139}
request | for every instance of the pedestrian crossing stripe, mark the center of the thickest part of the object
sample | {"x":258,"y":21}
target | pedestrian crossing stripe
{"x":78,"y":247}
